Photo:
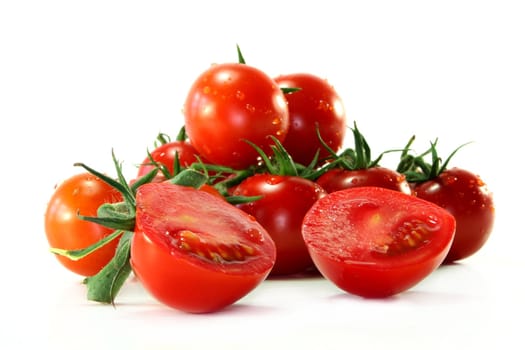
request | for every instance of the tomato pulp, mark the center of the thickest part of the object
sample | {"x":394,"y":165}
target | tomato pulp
{"x":194,"y":251}
{"x":375,"y":242}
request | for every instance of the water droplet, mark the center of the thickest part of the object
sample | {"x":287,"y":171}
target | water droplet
{"x":239,"y":95}
{"x":449,"y":180}
{"x":206,"y":90}
{"x":324,"y":106}
{"x":274,"y":180}
{"x":254,"y":235}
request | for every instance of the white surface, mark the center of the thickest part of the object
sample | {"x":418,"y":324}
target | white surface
{"x":80,"y":78}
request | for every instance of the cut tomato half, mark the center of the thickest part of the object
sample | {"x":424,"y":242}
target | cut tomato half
{"x":194,"y":251}
{"x":375,"y":242}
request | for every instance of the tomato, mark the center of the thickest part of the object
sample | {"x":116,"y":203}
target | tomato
{"x":339,"y":179}
{"x":281,"y":210}
{"x":466,"y":197}
{"x":316,"y":104}
{"x":194,"y":251}
{"x":80,"y":194}
{"x":166,"y":154}
{"x":229,"y":104}
{"x":375,"y":242}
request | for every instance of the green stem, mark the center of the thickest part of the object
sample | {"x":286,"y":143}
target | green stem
{"x":77,"y":254}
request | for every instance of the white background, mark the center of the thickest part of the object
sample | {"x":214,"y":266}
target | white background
{"x":79,"y":78}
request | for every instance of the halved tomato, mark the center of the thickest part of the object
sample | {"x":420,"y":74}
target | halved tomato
{"x":194,"y":251}
{"x":376,"y":242}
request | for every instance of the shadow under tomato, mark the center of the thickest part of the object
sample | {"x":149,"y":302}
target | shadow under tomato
{"x":310,"y":274}
{"x":155,"y":309}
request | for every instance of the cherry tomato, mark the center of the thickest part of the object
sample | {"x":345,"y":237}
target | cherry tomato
{"x":375,"y":242}
{"x":281,"y":210}
{"x":80,"y":194}
{"x":229,"y":104}
{"x":316,"y":104}
{"x":467,"y":197}
{"x":194,"y":251}
{"x":165,"y":155}
{"x":339,"y":179}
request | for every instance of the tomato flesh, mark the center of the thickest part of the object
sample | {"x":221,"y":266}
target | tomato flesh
{"x":194,"y":251}
{"x":375,"y":242}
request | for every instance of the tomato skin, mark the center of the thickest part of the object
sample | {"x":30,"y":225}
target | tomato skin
{"x":286,"y":199}
{"x":340,"y":179}
{"x":80,"y":194}
{"x":467,"y":197}
{"x":317,"y":103}
{"x":375,"y":242}
{"x":230,"y":103}
{"x":165,"y":155}
{"x":176,"y":229}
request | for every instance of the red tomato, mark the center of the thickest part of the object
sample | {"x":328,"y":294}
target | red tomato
{"x":315,"y":104}
{"x":286,"y":199}
{"x":165,"y":155}
{"x":339,"y":179}
{"x":466,"y":197}
{"x":194,"y":251}
{"x":230,"y":103}
{"x":80,"y":194}
{"x":375,"y":242}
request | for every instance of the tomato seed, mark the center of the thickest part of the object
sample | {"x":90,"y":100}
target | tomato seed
{"x":410,"y":235}
{"x":191,"y":242}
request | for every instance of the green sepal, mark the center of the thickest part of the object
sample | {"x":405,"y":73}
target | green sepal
{"x":284,"y":161}
{"x":280,"y":163}
{"x":182,"y":136}
{"x":120,"y":185}
{"x":241,"y":199}
{"x":77,"y":254}
{"x":416,"y":169}
{"x":240,"y":57}
{"x":143,"y":180}
{"x":113,"y":215}
{"x":105,"y":285}
{"x":357,"y":158}
{"x":189,"y":177}
{"x":290,"y":90}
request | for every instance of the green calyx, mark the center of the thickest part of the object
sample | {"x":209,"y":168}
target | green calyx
{"x":280,"y":162}
{"x":417,"y":169}
{"x":360,"y":157}
{"x":357,"y":158}
{"x":163,"y":139}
